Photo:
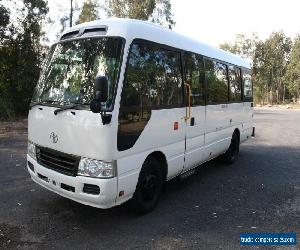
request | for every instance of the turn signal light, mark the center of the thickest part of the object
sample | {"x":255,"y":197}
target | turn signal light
{"x":176,"y":125}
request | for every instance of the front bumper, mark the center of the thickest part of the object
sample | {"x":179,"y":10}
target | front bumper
{"x":72,"y":187}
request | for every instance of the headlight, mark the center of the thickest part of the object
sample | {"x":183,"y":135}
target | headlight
{"x":95,"y":168}
{"x":31,"y":151}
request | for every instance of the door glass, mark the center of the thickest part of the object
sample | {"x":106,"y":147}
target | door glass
{"x":194,"y":73}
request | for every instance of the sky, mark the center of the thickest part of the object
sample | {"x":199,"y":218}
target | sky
{"x":216,"y":21}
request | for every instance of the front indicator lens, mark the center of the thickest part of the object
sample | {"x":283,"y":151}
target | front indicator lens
{"x":95,"y":168}
{"x":31,"y":150}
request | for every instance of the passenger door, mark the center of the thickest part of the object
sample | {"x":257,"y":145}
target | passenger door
{"x":195,"y":125}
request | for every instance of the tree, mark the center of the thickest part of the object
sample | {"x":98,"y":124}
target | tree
{"x":243,"y":46}
{"x":162,"y":14}
{"x":89,"y":12}
{"x":292,"y":76}
{"x":269,"y":61}
{"x":4,"y":20}
{"x":30,"y":49}
{"x":71,"y":13}
{"x":20,"y":54}
{"x":67,"y":13}
{"x":130,"y":8}
{"x":269,"y":66}
{"x":157,"y":11}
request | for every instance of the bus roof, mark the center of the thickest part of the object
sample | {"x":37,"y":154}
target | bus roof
{"x":131,"y":29}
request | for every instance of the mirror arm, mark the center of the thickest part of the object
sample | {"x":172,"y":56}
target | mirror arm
{"x":106,"y":118}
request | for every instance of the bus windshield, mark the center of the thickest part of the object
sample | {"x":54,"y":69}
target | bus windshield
{"x":71,"y":69}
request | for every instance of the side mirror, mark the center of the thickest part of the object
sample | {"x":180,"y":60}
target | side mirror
{"x":100,"y":93}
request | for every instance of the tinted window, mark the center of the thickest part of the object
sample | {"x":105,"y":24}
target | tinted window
{"x":194,"y":74}
{"x":235,"y":81}
{"x":153,"y":77}
{"x":217,"y":83}
{"x":152,"y":81}
{"x":247,"y":85}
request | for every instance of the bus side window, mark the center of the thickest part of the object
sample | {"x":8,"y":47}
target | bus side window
{"x":194,"y":75}
{"x":217,"y":82}
{"x":247,"y":86}
{"x":235,"y":83}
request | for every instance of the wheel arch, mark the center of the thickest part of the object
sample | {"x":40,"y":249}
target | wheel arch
{"x":161,"y":158}
{"x":237,"y":131}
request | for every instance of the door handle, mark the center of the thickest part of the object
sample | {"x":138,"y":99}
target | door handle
{"x":188,"y":111}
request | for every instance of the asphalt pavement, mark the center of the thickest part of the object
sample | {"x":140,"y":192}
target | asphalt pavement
{"x":259,"y":193}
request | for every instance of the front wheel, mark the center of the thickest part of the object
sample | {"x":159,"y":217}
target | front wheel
{"x":149,"y":187}
{"x":232,"y":152}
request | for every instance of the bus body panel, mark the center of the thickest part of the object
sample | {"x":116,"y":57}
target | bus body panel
{"x":247,"y":121}
{"x":81,"y":134}
{"x":158,"y":135}
{"x":195,"y":138}
{"x":216,"y":130}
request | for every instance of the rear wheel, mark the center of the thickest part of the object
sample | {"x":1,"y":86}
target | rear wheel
{"x":149,"y":187}
{"x":232,"y":152}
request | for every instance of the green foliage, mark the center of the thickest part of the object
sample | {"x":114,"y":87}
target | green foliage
{"x":4,"y":20}
{"x":6,"y":110}
{"x":157,"y":11}
{"x":271,"y":69}
{"x":20,"y":52}
{"x":243,"y":46}
{"x":292,"y":76}
{"x":269,"y":66}
{"x":162,"y":14}
{"x":88,"y":12}
{"x":135,"y":9}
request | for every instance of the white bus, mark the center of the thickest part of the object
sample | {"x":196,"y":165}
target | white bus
{"x":123,"y":106}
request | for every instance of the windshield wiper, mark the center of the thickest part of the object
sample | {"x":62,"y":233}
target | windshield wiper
{"x":41,"y":103}
{"x":75,"y":105}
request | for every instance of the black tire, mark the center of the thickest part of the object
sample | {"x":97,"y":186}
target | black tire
{"x":231,"y":155}
{"x":149,"y":187}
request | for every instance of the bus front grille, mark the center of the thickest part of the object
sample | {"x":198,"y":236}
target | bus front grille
{"x":63,"y":163}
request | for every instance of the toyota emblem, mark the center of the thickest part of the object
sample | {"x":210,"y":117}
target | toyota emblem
{"x":54,"y":137}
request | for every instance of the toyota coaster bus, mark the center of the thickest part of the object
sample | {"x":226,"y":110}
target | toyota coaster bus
{"x":123,"y":106}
